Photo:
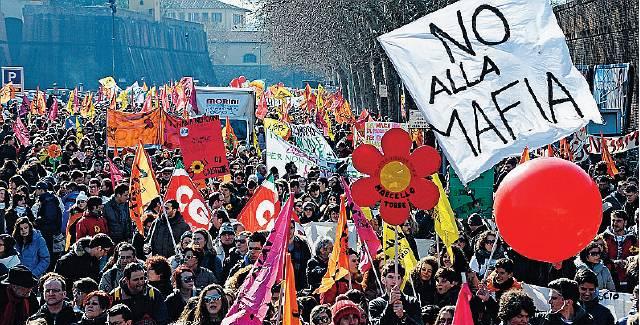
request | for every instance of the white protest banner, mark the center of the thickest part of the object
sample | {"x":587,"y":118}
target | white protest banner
{"x":615,"y":144}
{"x":373,"y":131}
{"x":417,"y":120}
{"x":491,"y":77}
{"x":309,"y":138}
{"x":317,"y":230}
{"x":618,"y":303}
{"x":279,"y":152}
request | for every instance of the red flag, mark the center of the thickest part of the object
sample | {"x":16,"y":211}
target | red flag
{"x":612,"y":170}
{"x":24,"y":107}
{"x":53,"y":113}
{"x":565,"y":150}
{"x":261,"y":210}
{"x":191,"y":203}
{"x":262,"y":109}
{"x":525,"y":156}
{"x":549,"y":150}
{"x":463,"y":315}
{"x":116,"y":174}
{"x":21,"y":132}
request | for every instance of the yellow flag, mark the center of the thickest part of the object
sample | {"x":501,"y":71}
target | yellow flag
{"x":256,"y":144}
{"x":70,"y":101}
{"x":143,"y":186}
{"x":79,"y":135}
{"x":7,"y":93}
{"x":338,"y":266}
{"x":405,"y":255}
{"x":327,"y":120}
{"x":290,"y":314}
{"x":123,"y":99}
{"x":278,"y":127}
{"x":525,"y":156}
{"x":443,"y":218}
{"x":319,"y":100}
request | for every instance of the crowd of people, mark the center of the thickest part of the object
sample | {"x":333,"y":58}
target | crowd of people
{"x":105,"y":271}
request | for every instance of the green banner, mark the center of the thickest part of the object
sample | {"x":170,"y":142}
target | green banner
{"x":476,"y":197}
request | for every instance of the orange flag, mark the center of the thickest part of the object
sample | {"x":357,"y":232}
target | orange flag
{"x":290,"y":314}
{"x":549,"y":150}
{"x":565,"y":150}
{"x":606,"y":157}
{"x":525,"y":155}
{"x":143,"y":186}
{"x":338,"y":266}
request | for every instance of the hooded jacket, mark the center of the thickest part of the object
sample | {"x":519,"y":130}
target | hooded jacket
{"x":605,"y":281}
{"x":90,"y":225}
{"x":34,"y":255}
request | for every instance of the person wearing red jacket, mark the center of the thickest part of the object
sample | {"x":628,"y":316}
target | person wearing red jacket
{"x":92,"y":222}
{"x":621,"y":243}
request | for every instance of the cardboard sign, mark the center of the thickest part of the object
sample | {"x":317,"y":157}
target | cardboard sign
{"x":202,"y":147}
{"x":373,"y":131}
{"x":491,"y":77}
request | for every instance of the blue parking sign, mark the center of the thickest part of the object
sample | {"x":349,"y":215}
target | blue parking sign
{"x":14,"y":75}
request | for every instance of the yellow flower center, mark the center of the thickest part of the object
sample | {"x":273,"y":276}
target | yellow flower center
{"x":395,"y":176}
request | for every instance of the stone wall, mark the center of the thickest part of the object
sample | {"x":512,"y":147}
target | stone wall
{"x":71,"y":45}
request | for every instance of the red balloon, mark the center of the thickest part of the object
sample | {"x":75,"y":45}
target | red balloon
{"x":548,"y":209}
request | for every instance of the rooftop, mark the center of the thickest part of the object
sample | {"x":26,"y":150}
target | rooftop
{"x":200,"y":4}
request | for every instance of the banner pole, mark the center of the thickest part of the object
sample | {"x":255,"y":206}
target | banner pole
{"x":495,"y":246}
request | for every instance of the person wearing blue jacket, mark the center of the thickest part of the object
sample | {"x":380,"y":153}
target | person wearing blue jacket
{"x":31,"y":247}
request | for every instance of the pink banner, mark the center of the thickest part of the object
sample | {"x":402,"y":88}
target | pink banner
{"x":251,"y":305}
{"x":116,"y":174}
{"x":363,"y":226}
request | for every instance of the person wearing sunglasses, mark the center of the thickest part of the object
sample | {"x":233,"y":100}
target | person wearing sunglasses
{"x":183,"y":283}
{"x":480,"y":262}
{"x":96,"y":304}
{"x":211,"y":307}
{"x":565,"y":306}
{"x":591,"y":258}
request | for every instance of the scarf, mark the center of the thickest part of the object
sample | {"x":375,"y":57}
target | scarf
{"x":9,"y":313}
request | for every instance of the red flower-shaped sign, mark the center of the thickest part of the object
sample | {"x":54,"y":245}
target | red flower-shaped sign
{"x":53,"y":151}
{"x":397,"y":177}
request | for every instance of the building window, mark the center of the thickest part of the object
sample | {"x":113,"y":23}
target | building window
{"x":142,"y":2}
{"x":205,"y":17}
{"x":196,"y":16}
{"x":237,"y":19}
{"x":181,"y":15}
{"x":216,"y":17}
{"x":249,"y":58}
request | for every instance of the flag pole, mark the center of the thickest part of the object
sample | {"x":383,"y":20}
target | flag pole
{"x":395,"y":258}
{"x":486,"y":271}
{"x":438,"y":250}
{"x":373,"y":267}
{"x":164,"y":214}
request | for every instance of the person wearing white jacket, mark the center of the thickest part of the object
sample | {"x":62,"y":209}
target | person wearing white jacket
{"x":8,"y":255}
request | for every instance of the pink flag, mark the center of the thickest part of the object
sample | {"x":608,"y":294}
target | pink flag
{"x":116,"y":174}
{"x":463,"y":310}
{"x":24,"y":108}
{"x":21,"y":132}
{"x":53,"y":113}
{"x":365,"y":231}
{"x":190,"y":89}
{"x":251,"y":305}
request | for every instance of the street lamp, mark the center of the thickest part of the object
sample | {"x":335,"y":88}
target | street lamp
{"x":112,"y":5}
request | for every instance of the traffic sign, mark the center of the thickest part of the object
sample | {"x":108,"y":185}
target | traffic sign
{"x":14,"y":75}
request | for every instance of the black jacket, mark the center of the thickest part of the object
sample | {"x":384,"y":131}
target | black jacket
{"x":580,"y":318}
{"x":381,"y":312}
{"x":66,"y":316}
{"x":148,"y":304}
{"x":100,"y":320}
{"x":175,"y":305}
{"x":449,"y":298}
{"x":601,"y":314}
{"x":76,"y":264}
{"x":316,"y":269}
{"x":49,"y":218}
{"x":161,"y":242}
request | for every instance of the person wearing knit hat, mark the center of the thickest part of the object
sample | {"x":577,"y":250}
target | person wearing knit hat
{"x":346,"y":312}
